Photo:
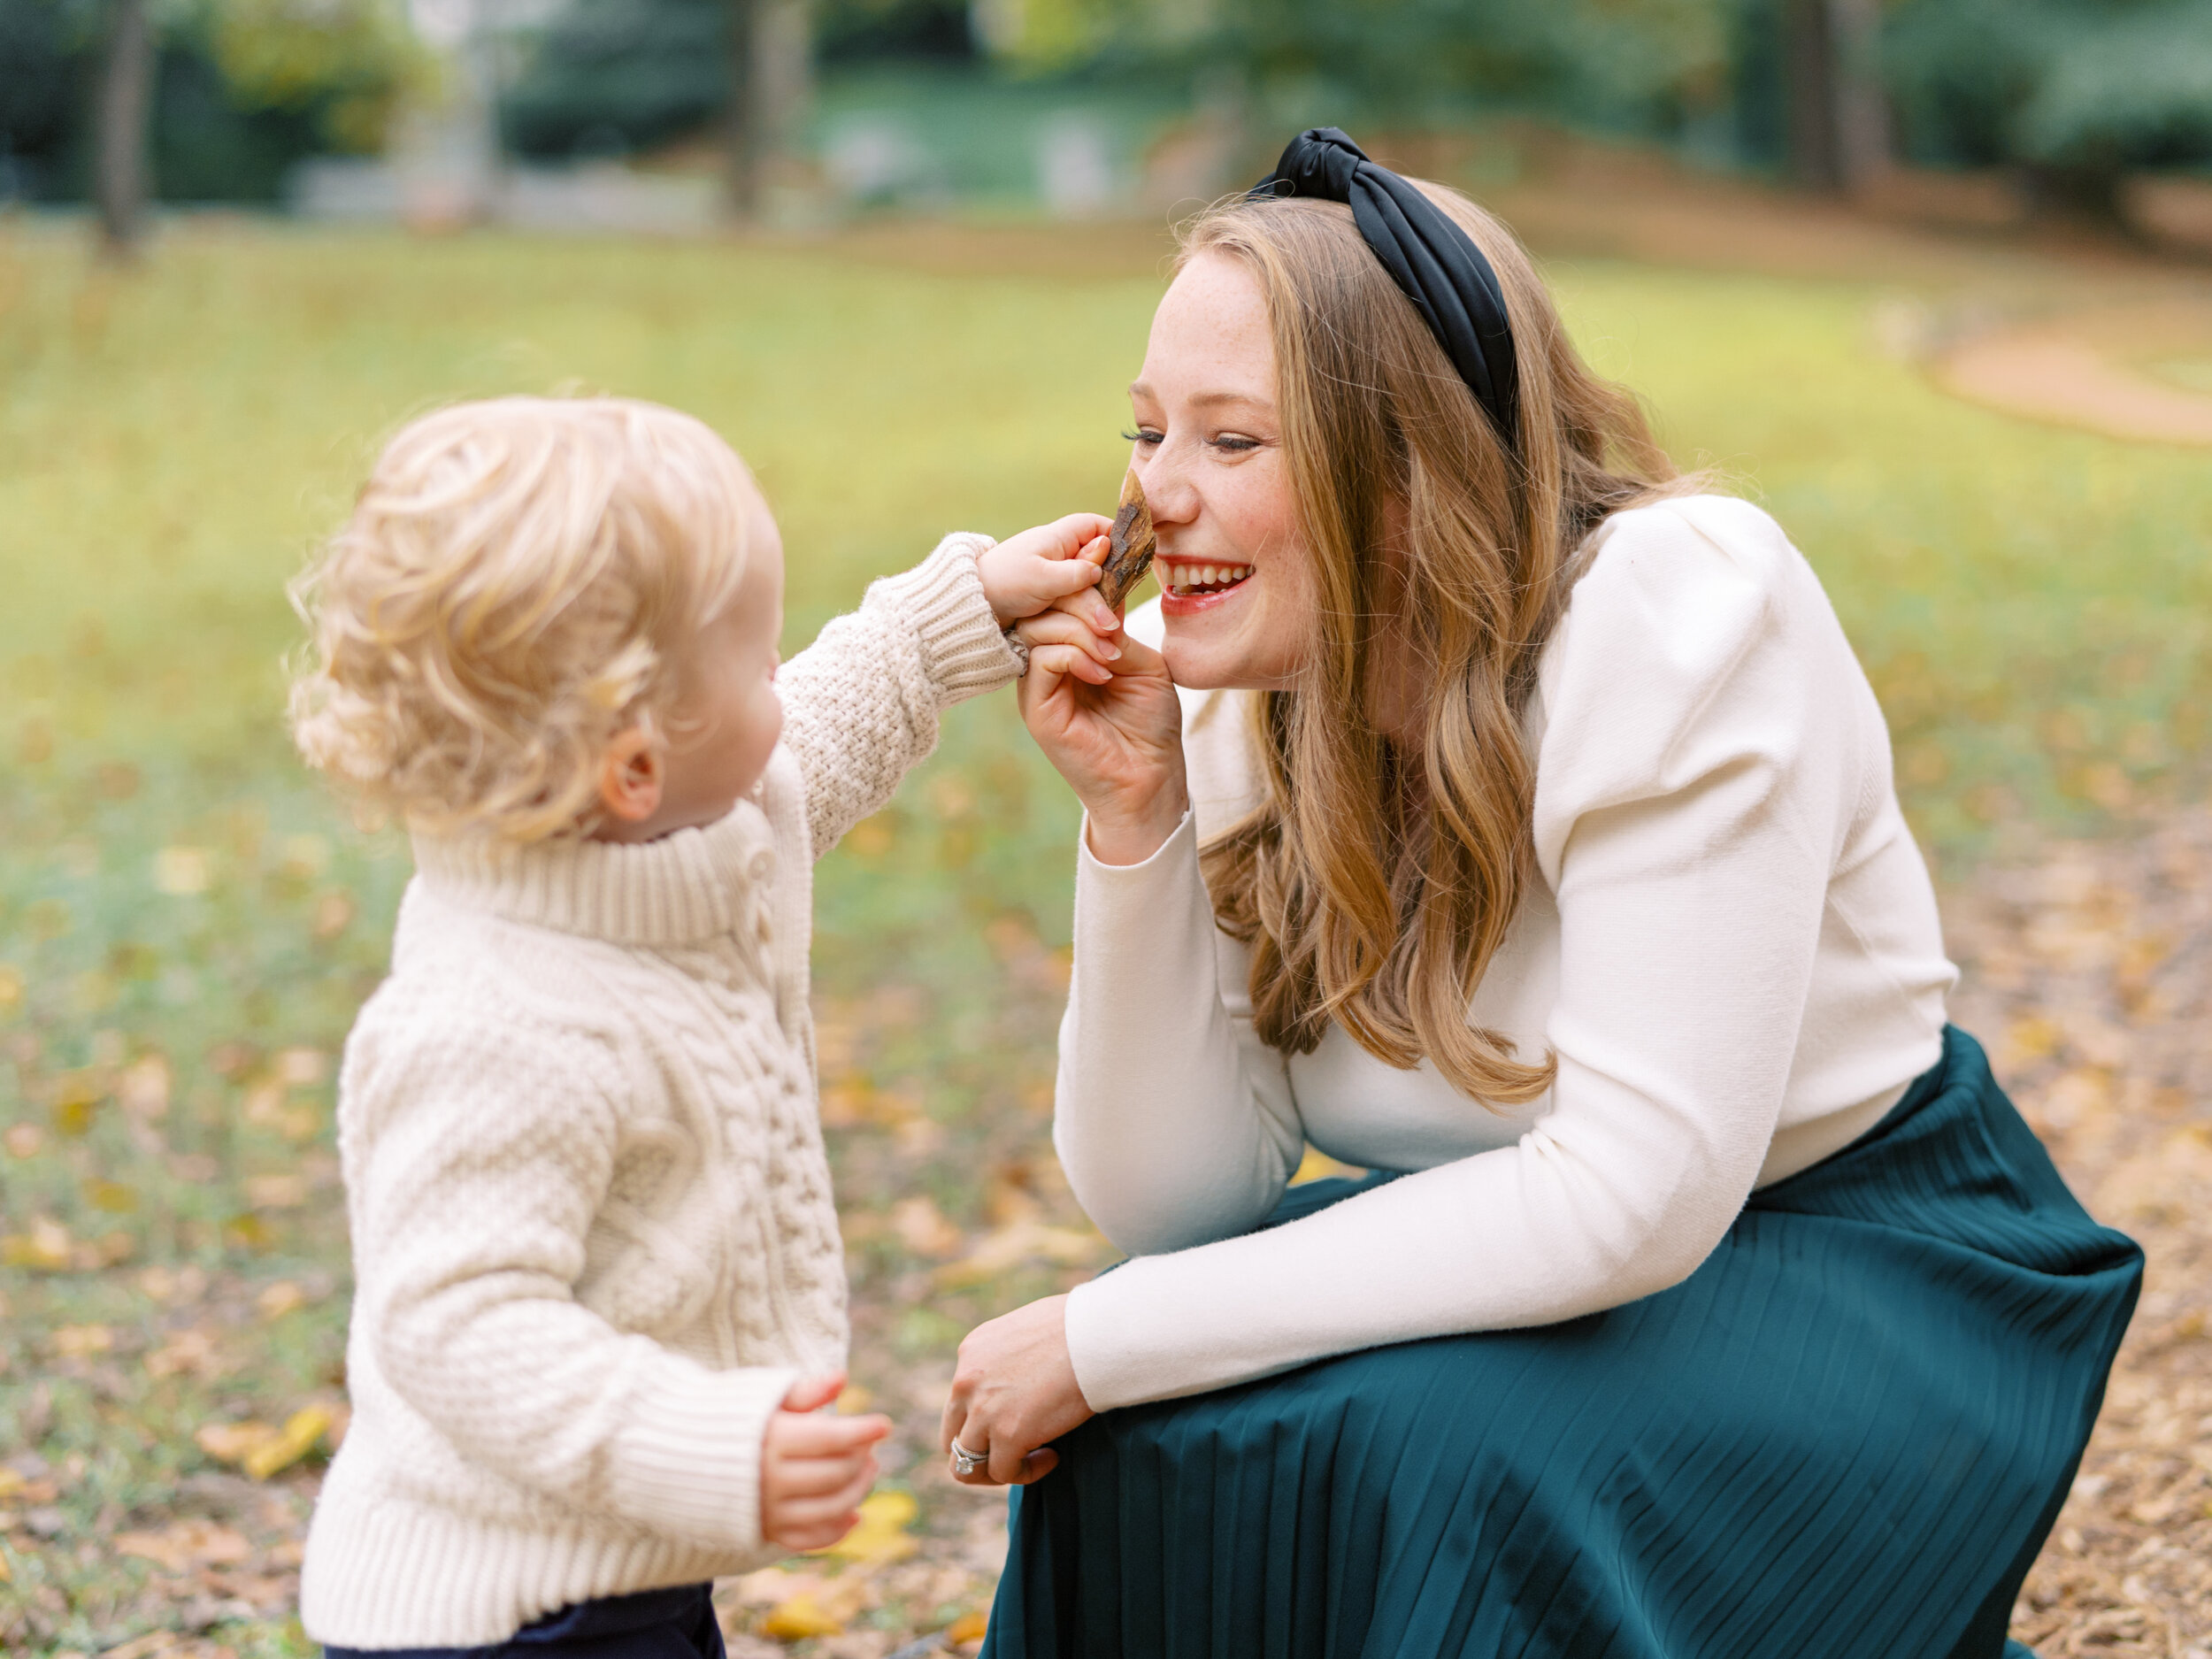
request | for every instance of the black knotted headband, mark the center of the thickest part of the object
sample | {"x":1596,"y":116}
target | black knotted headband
{"x":1432,"y":259}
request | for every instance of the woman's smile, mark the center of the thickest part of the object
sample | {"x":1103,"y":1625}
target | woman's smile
{"x":1189,"y":585}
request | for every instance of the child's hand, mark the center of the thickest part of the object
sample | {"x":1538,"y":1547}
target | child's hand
{"x":814,"y":1470}
{"x":1028,"y":573}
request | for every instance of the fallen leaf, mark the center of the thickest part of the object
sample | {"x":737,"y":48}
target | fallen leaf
{"x":297,"y":1438}
{"x":881,"y":1536}
{"x":303,"y":1068}
{"x":1318,"y":1165}
{"x":45,"y":1247}
{"x":1017,"y":1241}
{"x":11,"y":1482}
{"x":191,"y":1352}
{"x":276,"y":1192}
{"x":232,"y":1443}
{"x":968,"y":1627}
{"x":188,"y":1543}
{"x":144,"y":1087}
{"x":923,"y":1229}
{"x":798,"y":1618}
{"x":279,"y":1297}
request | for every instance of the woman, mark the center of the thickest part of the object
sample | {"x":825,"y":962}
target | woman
{"x":1525,"y":834}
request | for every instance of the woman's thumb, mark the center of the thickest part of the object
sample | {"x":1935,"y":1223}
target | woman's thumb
{"x":811,"y":1393}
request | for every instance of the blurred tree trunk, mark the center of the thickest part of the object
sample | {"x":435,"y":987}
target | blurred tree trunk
{"x":127,"y":85}
{"x":772,"y":79}
{"x":1838,"y":115}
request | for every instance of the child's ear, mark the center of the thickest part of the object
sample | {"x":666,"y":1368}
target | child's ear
{"x":631,"y":776}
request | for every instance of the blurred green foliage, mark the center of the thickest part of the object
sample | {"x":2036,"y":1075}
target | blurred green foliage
{"x":2082,"y":89}
{"x":242,"y":89}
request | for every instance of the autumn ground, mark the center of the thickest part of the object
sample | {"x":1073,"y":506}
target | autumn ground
{"x":186,"y":926}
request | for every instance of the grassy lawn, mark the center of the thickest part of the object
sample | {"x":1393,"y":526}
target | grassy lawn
{"x":185,"y":923}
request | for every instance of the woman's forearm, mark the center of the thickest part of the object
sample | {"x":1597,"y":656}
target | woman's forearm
{"x":1174,"y":1129}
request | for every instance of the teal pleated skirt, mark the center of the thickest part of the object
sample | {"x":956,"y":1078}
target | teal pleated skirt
{"x":1847,"y":1433}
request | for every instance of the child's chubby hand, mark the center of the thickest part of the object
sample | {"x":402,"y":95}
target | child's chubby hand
{"x":1054,"y":563}
{"x":814,"y":1469}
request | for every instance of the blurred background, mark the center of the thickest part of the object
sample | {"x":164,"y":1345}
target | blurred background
{"x":1930,"y":279}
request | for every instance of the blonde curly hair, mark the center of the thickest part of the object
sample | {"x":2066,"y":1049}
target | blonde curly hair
{"x":521,"y":579}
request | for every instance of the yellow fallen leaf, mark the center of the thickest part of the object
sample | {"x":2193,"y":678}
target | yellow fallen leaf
{"x":1318,"y":1165}
{"x":968,"y":1627}
{"x":798,"y":1618}
{"x":46,"y":1246}
{"x":11,"y":1482}
{"x":881,"y":1536}
{"x":298,"y":1437}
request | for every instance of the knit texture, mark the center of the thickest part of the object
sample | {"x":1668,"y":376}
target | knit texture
{"x":593,"y":1235}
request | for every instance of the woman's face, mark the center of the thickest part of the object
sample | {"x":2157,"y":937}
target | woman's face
{"x":1232,"y":563}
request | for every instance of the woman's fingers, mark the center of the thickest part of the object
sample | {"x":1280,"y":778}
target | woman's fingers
{"x":1062,"y":627}
{"x":1070,"y":662}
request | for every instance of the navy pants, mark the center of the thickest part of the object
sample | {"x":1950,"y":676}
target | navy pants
{"x":676,"y":1624}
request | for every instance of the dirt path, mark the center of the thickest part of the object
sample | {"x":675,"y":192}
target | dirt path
{"x":2082,"y":371}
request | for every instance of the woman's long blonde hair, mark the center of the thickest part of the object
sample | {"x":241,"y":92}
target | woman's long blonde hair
{"x":1375,"y":885}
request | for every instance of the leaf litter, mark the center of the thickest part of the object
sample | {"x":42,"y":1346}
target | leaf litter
{"x":2088,"y":967}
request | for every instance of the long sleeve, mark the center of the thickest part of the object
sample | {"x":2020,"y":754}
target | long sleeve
{"x":1175,"y":1123}
{"x":861,"y":704}
{"x":485,"y":1154}
{"x":1704,"y":736}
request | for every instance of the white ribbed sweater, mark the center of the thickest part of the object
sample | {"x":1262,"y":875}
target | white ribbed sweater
{"x":1731,"y":946}
{"x":593,"y":1236}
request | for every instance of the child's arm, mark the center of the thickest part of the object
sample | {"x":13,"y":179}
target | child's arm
{"x":861,"y":703}
{"x":480,"y":1150}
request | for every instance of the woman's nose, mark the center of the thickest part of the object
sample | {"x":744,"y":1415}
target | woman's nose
{"x":1170,"y":491}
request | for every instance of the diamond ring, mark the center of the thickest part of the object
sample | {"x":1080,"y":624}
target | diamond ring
{"x":965,"y":1461}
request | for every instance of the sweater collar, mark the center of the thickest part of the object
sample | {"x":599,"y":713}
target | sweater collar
{"x":684,"y":889}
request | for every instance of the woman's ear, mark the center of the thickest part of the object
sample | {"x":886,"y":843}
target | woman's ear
{"x":632,"y":775}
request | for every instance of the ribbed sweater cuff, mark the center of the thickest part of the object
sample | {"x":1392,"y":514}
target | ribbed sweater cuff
{"x":692,"y":1461}
{"x":964,"y":651}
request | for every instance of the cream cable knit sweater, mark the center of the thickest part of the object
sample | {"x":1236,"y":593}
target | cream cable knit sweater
{"x":592,"y":1227}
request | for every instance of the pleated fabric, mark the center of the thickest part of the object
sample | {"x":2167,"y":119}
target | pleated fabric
{"x":1847,"y":1433}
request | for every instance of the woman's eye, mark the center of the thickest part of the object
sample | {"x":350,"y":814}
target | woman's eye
{"x":1143,"y":435}
{"x":1234,"y":446}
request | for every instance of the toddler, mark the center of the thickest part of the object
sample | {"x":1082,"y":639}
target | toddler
{"x":600,"y":1290}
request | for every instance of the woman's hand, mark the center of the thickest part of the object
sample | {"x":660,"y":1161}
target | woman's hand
{"x":1105,"y":714}
{"x":1014,"y":1391}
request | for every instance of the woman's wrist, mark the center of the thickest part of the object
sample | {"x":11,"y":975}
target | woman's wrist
{"x":1130,"y":831}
